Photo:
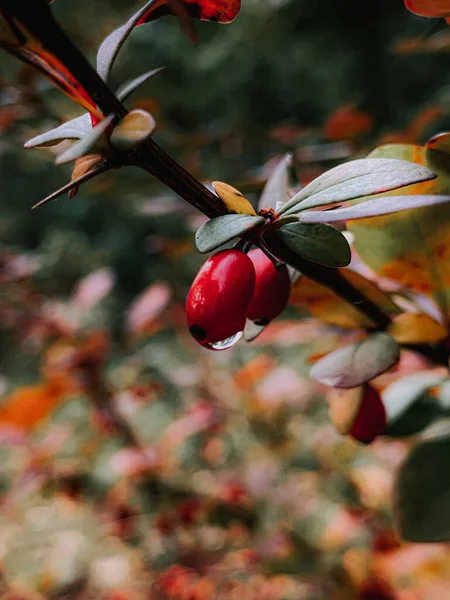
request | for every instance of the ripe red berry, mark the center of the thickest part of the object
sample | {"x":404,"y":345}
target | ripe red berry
{"x":217,"y":302}
{"x":272,"y":289}
{"x":371,"y":418}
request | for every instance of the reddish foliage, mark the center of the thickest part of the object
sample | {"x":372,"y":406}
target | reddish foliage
{"x":223,"y":11}
{"x":348,"y":123}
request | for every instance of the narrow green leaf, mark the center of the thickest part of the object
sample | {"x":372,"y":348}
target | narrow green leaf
{"x":355,"y":179}
{"x":320,"y":243}
{"x":252,"y":331}
{"x":275,"y":191}
{"x":72,"y":130}
{"x":358,"y":363}
{"x":86,"y":144}
{"x":220,"y":230}
{"x":128,"y":88}
{"x":109,"y":49}
{"x":422,"y":493}
{"x":372,"y":208}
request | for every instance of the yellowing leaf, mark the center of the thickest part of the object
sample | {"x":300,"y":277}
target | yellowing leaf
{"x":84,"y":164}
{"x":343,"y":407}
{"x":133,"y":129}
{"x":233,"y":199}
{"x":324,"y":304}
{"x":412,"y":247}
{"x":416,"y":328}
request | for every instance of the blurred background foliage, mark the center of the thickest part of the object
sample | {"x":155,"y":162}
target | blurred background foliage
{"x":244,"y":489}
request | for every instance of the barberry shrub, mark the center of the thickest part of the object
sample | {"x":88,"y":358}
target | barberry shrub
{"x":363,"y":247}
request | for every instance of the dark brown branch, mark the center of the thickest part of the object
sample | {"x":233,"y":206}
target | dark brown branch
{"x":333,"y":279}
{"x":153,"y":159}
{"x":101,"y":397}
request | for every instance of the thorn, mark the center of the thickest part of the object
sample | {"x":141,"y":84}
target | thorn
{"x":71,"y":185}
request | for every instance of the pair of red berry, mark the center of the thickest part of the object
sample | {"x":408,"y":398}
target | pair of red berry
{"x":233,"y":286}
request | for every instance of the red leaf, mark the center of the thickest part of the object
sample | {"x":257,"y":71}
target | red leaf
{"x":222,"y":11}
{"x":429,"y":8}
{"x":17,"y":39}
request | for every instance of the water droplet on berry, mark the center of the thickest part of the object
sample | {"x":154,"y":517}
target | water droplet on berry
{"x":224,"y":344}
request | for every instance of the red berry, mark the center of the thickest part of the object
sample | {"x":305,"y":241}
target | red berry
{"x":272,"y":289}
{"x":217,"y":302}
{"x":371,"y":418}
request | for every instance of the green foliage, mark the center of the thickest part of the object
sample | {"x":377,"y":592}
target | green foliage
{"x":423,"y":492}
{"x":219,"y":231}
{"x":320,"y":243}
{"x":358,"y":363}
{"x":356,"y":179}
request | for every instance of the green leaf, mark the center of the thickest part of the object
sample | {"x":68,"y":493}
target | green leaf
{"x":409,"y":407}
{"x":358,"y":363}
{"x":72,"y":130}
{"x":220,"y":230}
{"x":252,"y":331}
{"x":412,"y":247}
{"x":422,"y":493}
{"x":320,"y":243}
{"x":275,"y":192}
{"x":129,"y":87}
{"x":132,"y":130}
{"x":357,"y":178}
{"x":86,"y":144}
{"x":110,"y":48}
{"x":443,"y":397}
{"x":372,"y":208}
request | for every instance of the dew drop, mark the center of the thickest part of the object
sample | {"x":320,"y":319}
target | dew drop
{"x":224,"y":344}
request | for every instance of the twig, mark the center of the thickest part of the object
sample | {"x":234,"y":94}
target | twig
{"x":101,"y":397}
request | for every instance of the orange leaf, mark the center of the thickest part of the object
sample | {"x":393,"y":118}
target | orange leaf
{"x":28,"y":405}
{"x":348,"y":123}
{"x":248,"y":376}
{"x":429,"y":8}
